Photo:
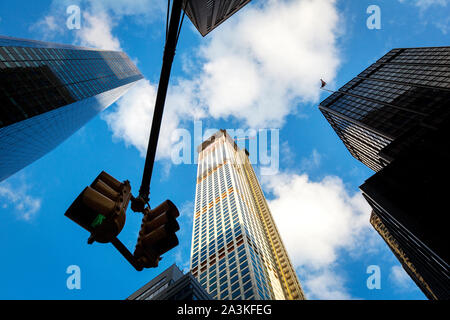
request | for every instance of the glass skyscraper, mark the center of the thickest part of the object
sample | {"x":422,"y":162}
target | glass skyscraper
{"x":402,"y":256}
{"x":48,"y":91}
{"x":395,"y":118}
{"x":208,"y":15}
{"x":237,"y":252}
{"x":387,"y":100}
{"x":409,"y":199}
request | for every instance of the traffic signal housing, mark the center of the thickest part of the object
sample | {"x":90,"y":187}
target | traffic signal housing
{"x":157,"y":234}
{"x":101,"y":208}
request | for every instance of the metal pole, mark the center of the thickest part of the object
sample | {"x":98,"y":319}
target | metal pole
{"x":169,"y":53}
{"x":126,"y":253}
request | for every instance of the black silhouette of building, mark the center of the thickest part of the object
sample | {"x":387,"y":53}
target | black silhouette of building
{"x":401,"y":255}
{"x":395,"y":118}
{"x":48,"y":91}
{"x":403,"y":89}
{"x":172,"y":284}
{"x":206,"y":15}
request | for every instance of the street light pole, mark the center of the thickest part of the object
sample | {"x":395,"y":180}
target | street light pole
{"x":101,"y":208}
{"x":138,"y":204}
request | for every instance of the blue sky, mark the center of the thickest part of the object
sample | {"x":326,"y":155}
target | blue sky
{"x":259,"y":70}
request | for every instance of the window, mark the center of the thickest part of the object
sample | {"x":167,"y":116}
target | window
{"x":249,"y":295}
{"x":223,"y":287}
{"x":247,"y":286}
{"x":224,"y":294}
{"x":235,"y":286}
{"x":236,"y":294}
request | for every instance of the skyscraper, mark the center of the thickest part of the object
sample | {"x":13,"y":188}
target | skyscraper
{"x":237,"y":252}
{"x":208,"y":15}
{"x":409,"y":196}
{"x":48,"y":91}
{"x":171,"y":284}
{"x":401,"y":255}
{"x":395,"y":118}
{"x":403,"y":89}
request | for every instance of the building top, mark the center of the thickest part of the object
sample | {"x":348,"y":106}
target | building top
{"x":6,"y":41}
{"x":214,"y":137}
{"x":435,"y":56}
{"x":171,"y":273}
{"x":171,"y":284}
{"x":206,"y":15}
{"x":388,"y":100}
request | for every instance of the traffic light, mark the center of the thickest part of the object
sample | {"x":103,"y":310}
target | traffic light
{"x":101,"y":208}
{"x":157,"y":234}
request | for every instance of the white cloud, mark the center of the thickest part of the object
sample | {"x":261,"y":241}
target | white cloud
{"x":19,"y":201}
{"x":50,"y":23}
{"x":49,"y":26}
{"x":98,"y":19}
{"x":311,"y":162}
{"x":97,"y":32}
{"x":400,"y":278}
{"x":131,"y":120}
{"x":182,"y":253}
{"x":286,"y":154}
{"x":318,"y":221}
{"x":261,"y":65}
{"x":326,"y":285}
{"x":133,"y":115}
{"x":257,"y":68}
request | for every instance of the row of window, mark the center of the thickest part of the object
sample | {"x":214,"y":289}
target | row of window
{"x":231,"y":279}
{"x":217,"y":225}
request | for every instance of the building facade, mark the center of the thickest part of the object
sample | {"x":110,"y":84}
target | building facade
{"x":409,"y":198}
{"x":388,"y":100}
{"x":171,"y":284}
{"x":208,"y":15}
{"x":48,"y":91}
{"x":237,"y":252}
{"x":401,"y":255}
{"x":395,"y":118}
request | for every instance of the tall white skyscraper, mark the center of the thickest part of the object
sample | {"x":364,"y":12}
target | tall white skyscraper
{"x":237,"y":252}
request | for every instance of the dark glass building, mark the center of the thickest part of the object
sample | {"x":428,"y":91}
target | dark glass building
{"x":401,"y":255}
{"x":206,"y":15}
{"x":410,"y":198}
{"x":172,"y":284}
{"x":395,"y":118}
{"x":405,"y":88}
{"x":48,"y":91}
